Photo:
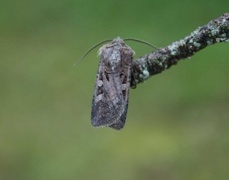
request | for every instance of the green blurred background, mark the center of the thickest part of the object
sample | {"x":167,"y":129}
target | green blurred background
{"x":177,"y":125}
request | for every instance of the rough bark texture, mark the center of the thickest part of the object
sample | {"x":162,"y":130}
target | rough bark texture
{"x":215,"y":31}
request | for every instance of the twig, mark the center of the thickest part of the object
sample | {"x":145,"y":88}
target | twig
{"x":215,"y":31}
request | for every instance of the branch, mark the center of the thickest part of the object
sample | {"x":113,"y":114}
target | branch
{"x":215,"y":31}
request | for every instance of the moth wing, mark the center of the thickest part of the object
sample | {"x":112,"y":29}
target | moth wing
{"x":107,"y":103}
{"x":125,"y":80}
{"x":110,"y":99}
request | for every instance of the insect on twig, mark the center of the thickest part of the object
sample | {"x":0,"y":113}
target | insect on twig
{"x":110,"y":99}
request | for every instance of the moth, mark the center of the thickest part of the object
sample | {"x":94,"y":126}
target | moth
{"x":111,"y":93}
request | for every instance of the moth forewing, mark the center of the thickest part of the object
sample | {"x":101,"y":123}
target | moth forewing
{"x":110,"y":99}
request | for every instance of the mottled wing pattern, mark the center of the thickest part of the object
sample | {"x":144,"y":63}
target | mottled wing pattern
{"x":110,"y":99}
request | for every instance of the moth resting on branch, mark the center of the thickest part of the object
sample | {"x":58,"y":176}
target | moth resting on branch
{"x":118,"y":72}
{"x":110,"y":99}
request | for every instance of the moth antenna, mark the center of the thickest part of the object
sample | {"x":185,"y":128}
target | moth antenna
{"x":90,"y":49}
{"x":141,"y":41}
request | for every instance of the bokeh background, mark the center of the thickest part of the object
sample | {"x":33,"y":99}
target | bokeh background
{"x":177,"y":125}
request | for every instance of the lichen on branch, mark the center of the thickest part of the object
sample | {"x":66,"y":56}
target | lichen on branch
{"x":215,"y":31}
